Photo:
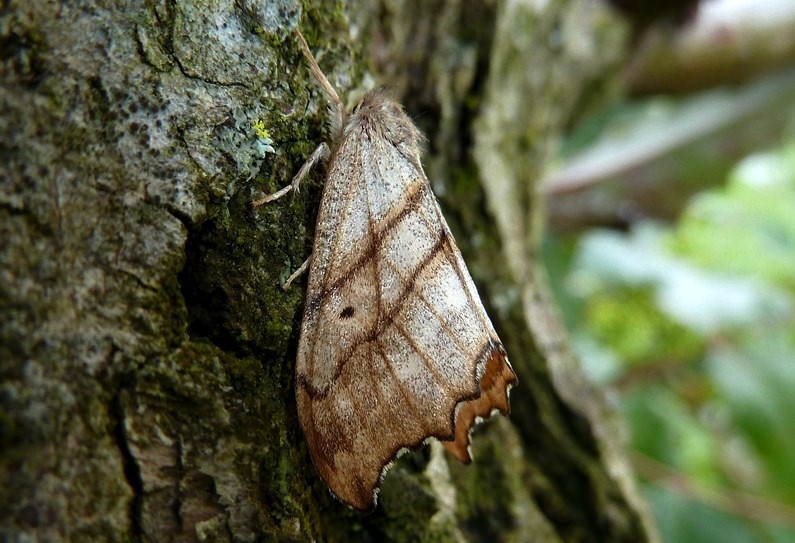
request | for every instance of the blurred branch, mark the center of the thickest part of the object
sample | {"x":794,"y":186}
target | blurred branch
{"x":652,"y":169}
{"x":728,"y":41}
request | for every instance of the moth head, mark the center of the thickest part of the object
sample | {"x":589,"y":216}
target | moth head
{"x":380,"y":115}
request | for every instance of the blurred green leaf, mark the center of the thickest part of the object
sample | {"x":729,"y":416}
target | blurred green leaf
{"x":685,"y":521}
{"x":695,"y":327}
{"x":748,"y":228}
{"x":699,"y":299}
{"x":757,"y":381}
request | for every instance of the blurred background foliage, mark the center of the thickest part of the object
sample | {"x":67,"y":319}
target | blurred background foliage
{"x":672,"y":255}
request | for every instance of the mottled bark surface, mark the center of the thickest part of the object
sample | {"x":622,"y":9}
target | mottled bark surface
{"x":147,"y":350}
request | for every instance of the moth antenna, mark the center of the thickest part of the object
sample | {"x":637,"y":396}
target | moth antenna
{"x":337,"y":107}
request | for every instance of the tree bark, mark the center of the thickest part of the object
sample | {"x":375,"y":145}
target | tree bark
{"x":147,"y":348}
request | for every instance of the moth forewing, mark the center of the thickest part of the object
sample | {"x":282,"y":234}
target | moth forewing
{"x":395,"y":344}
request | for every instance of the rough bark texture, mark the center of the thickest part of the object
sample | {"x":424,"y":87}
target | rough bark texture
{"x":147,"y":350}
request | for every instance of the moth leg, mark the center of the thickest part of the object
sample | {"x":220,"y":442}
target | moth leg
{"x":297,"y":273}
{"x":321,"y":153}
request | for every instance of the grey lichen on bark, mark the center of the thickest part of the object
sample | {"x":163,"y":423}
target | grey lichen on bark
{"x":147,"y":348}
{"x":132,"y":136}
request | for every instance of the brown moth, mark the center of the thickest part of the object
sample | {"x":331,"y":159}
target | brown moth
{"x":395,"y":344}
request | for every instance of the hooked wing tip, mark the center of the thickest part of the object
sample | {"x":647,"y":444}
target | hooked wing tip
{"x":495,"y":385}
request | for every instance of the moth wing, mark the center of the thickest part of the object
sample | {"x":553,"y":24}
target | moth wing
{"x":394,"y":341}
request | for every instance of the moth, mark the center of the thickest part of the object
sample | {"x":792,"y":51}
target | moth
{"x":395,"y":347}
